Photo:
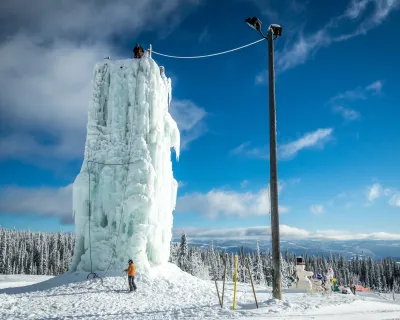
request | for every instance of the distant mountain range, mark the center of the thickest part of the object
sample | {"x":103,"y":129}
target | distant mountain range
{"x":376,"y":249}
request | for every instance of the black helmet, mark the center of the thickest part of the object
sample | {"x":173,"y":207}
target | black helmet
{"x":136,"y":47}
{"x":130,"y":261}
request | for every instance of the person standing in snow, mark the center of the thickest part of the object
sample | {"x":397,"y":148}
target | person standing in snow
{"x":138,"y":51}
{"x":131,"y":275}
{"x":354,"y":289}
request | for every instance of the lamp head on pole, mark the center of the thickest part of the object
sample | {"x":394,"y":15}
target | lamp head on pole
{"x":254,"y":23}
{"x":276,"y":29}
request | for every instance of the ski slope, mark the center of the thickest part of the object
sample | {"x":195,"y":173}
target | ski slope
{"x":168,"y":293}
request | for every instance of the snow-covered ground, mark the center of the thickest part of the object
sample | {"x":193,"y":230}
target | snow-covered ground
{"x":19,"y":280}
{"x":168,"y":293}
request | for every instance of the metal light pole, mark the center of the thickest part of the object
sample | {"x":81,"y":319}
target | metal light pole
{"x":274,"y":31}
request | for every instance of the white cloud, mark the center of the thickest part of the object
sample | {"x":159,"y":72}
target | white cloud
{"x":317,"y":209}
{"x":57,"y":202}
{"x":47,"y":55}
{"x":219,"y":202}
{"x":375,"y":87}
{"x":181,"y":184}
{"x":395,"y":200}
{"x":53,"y":202}
{"x":204,"y":36}
{"x":359,"y":93}
{"x":190,"y":119}
{"x":354,"y":20}
{"x":374,"y":192}
{"x":258,"y":232}
{"x":261,"y":78}
{"x":346,"y":113}
{"x":244,"y":183}
{"x":286,"y":232}
{"x":286,"y":151}
{"x":377,"y":191}
{"x":251,"y":152}
{"x":308,"y":140}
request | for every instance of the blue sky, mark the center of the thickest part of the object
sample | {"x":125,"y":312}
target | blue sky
{"x":337,"y":110}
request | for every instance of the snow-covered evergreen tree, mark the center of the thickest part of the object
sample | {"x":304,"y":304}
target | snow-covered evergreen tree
{"x":183,"y":260}
{"x":258,"y":266}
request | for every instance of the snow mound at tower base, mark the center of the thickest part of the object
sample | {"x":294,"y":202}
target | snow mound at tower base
{"x":169,"y":293}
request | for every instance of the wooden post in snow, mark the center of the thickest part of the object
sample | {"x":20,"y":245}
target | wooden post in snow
{"x":219,"y":299}
{"x":251,"y":280}
{"x":223,"y":284}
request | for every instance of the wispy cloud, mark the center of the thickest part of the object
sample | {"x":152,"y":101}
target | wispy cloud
{"x":346,"y":113}
{"x":374,"y":192}
{"x":245,"y":149}
{"x":317,"y":209}
{"x":244,"y":183}
{"x":359,"y":93}
{"x":219,"y":202}
{"x":354,"y":20}
{"x":47,"y":201}
{"x":286,"y":232}
{"x":261,"y":78}
{"x":289,"y":150}
{"x":181,"y":184}
{"x":377,"y":191}
{"x":316,"y":138}
{"x":190,"y":119}
{"x":204,"y":35}
{"x":395,"y":200}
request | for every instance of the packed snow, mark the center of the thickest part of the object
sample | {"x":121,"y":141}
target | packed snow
{"x":19,"y":280}
{"x":166,"y":292}
{"x":130,"y":205}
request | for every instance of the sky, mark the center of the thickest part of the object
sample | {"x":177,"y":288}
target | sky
{"x":337,"y":100}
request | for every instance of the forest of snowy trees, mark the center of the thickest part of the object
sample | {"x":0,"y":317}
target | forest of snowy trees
{"x":40,"y":253}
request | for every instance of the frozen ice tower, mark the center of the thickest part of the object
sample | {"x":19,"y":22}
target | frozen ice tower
{"x":130,"y":205}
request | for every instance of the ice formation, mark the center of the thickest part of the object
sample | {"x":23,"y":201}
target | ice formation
{"x":130,"y":205}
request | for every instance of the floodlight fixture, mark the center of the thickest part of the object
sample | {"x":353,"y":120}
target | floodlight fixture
{"x":254,"y":23}
{"x":276,"y":29}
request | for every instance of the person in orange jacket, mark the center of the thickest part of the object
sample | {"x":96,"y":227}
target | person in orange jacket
{"x":131,"y":275}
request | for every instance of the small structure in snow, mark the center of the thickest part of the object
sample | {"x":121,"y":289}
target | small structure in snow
{"x":303,"y":282}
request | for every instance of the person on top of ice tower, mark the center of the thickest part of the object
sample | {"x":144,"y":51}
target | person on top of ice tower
{"x":131,"y":275}
{"x":138,"y":51}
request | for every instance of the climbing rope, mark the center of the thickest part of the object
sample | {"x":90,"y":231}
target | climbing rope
{"x":208,"y":55}
{"x":124,"y":195}
{"x":93,"y":274}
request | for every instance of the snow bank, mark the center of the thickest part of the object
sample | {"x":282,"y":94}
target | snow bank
{"x":131,"y":205}
{"x":20,"y":280}
{"x":166,"y":292}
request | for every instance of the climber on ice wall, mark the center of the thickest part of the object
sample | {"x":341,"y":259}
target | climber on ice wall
{"x":138,"y":51}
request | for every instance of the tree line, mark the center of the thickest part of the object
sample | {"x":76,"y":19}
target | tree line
{"x":50,"y":253}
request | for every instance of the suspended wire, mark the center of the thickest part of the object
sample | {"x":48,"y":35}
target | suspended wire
{"x":95,"y":275}
{"x":208,"y":55}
